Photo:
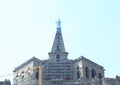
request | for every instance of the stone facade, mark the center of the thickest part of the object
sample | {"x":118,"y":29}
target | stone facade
{"x":26,"y":73}
{"x":59,"y":70}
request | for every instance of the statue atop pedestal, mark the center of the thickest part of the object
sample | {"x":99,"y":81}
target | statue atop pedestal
{"x":58,"y":25}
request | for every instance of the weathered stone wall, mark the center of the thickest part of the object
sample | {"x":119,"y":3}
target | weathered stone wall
{"x":26,"y":74}
{"x":61,"y":70}
{"x":88,"y":69}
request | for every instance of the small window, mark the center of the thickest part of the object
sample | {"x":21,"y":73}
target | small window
{"x":58,"y":58}
{"x":58,"y":48}
{"x":100,"y":75}
{"x":23,"y":76}
{"x":78,"y":68}
{"x":28,"y":69}
{"x":93,"y":73}
{"x":17,"y":76}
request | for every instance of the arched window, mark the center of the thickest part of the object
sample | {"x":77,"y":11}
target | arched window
{"x":100,"y":75}
{"x":78,"y":68}
{"x":93,"y":73}
{"x":37,"y":73}
{"x":28,"y":72}
{"x":58,"y":48}
{"x":87,"y":72}
{"x":58,"y":58}
{"x":78,"y":74}
{"x":22,"y":74}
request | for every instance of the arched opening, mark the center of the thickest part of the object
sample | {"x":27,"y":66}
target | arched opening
{"x":28,"y":72}
{"x":37,"y":73}
{"x":100,"y":75}
{"x":58,"y":48}
{"x":93,"y":73}
{"x":22,"y":74}
{"x":78,"y":68}
{"x":78,"y":74}
{"x":58,"y":58}
{"x":87,"y":72}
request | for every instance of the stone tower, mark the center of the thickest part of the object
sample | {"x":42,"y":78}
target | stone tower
{"x":58,"y":53}
{"x":58,"y":67}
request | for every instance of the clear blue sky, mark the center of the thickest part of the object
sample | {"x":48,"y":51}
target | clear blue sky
{"x":90,"y":28}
